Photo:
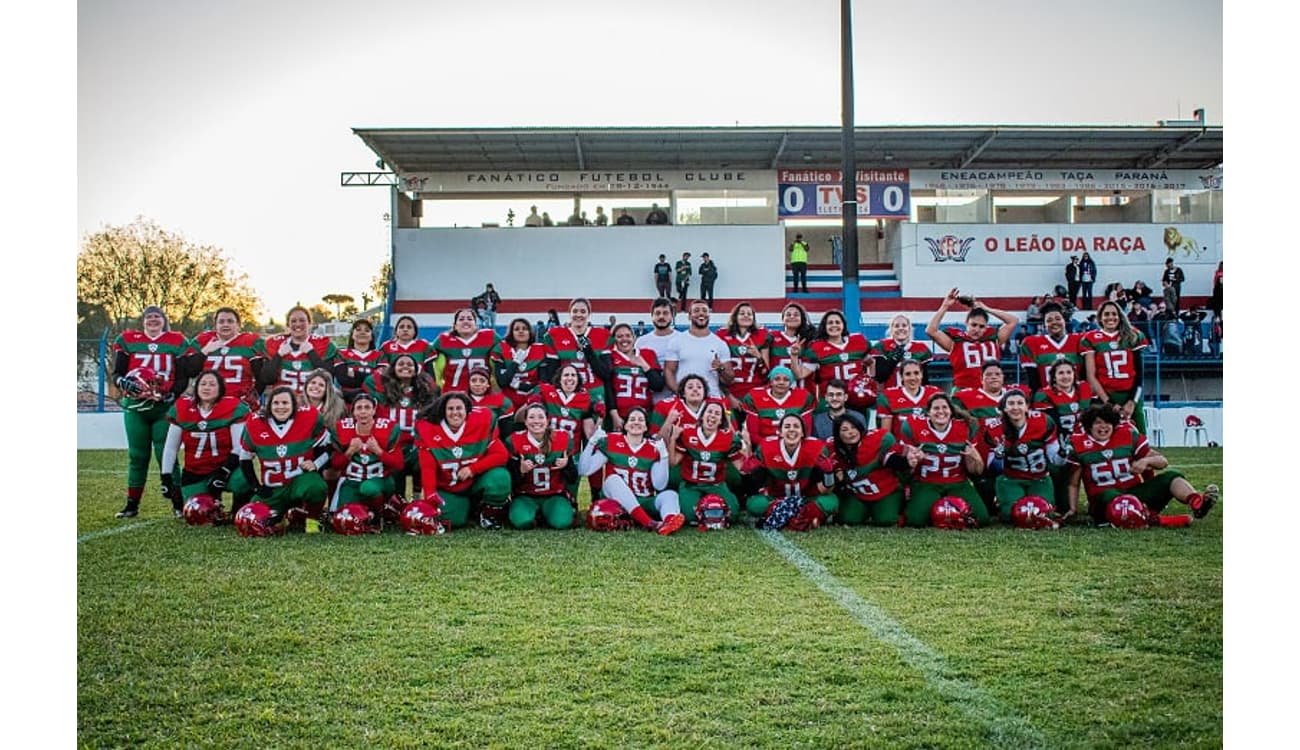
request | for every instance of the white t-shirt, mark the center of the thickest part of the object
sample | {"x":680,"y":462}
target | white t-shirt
{"x":665,"y":349}
{"x":695,"y":357}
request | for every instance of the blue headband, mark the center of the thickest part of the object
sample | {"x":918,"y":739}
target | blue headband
{"x":780,"y":370}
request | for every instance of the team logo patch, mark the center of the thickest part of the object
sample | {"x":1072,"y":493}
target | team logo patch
{"x":406,"y":402}
{"x":844,"y":357}
{"x":203,"y":424}
{"x":853,"y":473}
{"x":1024,"y":449}
{"x":225,"y":350}
{"x":1108,"y":453}
{"x":1114,"y":345}
{"x":297,"y":365}
{"x":466,"y":352}
{"x":704,"y":455}
{"x":457,"y":451}
{"x":742,"y":350}
{"x":539,"y":459}
{"x":918,"y":411}
{"x":582,"y":355}
{"x":1074,"y":407}
{"x":792,"y":475}
{"x":281,"y":450}
{"x":943,"y":448}
{"x":631,"y":461}
{"x":363,"y":458}
{"x":153,"y":347}
{"x":780,"y":413}
{"x":950,"y":247}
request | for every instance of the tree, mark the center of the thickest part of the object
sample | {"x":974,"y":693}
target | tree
{"x":379,"y":284}
{"x":338,"y":300}
{"x":122,"y":269}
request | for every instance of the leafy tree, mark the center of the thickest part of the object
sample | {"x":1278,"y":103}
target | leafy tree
{"x":121,"y":269}
{"x":339,"y":300}
{"x":379,"y":284}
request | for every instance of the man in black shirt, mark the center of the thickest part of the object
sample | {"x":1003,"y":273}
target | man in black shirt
{"x":663,"y":277}
{"x":625,"y":219}
{"x":708,"y":275}
{"x":656,"y":215}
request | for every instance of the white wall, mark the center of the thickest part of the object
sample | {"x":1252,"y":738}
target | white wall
{"x":100,"y":431}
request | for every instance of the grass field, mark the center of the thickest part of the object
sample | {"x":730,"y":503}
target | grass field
{"x":831,"y":639}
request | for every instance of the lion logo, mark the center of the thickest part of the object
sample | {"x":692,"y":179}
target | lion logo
{"x":1175,"y":241}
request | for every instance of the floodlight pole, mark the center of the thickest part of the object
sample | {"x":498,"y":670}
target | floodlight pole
{"x":849,"y":205}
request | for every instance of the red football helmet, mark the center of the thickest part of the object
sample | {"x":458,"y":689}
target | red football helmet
{"x":712,"y":512}
{"x":353,"y":519}
{"x":1128,"y":512}
{"x":203,"y":510}
{"x":1034,"y":512}
{"x":255,"y":519}
{"x":1194,"y":421}
{"x":862,"y":391}
{"x":423,"y":518}
{"x":607,"y":515}
{"x":150,"y":384}
{"x":951,"y":512}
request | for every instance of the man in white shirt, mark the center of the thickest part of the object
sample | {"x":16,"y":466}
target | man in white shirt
{"x":701,"y":352}
{"x":662,"y":340}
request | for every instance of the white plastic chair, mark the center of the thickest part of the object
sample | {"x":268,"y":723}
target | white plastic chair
{"x":1154,"y":430}
{"x":1194,"y":427}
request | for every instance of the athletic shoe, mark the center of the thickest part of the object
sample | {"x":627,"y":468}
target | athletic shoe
{"x":1209,"y":499}
{"x":671,"y":524}
{"x":131,"y":510}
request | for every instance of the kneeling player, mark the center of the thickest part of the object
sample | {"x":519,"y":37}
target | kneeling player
{"x":792,"y":467}
{"x":206,"y":428}
{"x":867,"y":469}
{"x":635,"y":473}
{"x":291,"y":444}
{"x":540,"y":466}
{"x":461,"y":460}
{"x":367,"y":453}
{"x":704,"y":452}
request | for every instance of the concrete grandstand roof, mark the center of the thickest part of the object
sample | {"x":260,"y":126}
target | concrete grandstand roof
{"x":411,"y":150}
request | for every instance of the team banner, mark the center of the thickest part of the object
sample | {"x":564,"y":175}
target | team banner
{"x":882,"y":193}
{"x":1067,"y":179}
{"x":563,"y":181}
{"x":1052,"y":244}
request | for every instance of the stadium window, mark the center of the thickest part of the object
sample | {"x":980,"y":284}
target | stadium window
{"x":726,"y":207}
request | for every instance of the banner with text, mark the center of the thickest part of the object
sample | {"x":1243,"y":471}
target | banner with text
{"x":882,"y":193}
{"x":1052,"y":244}
{"x":1075,"y":180}
{"x":563,"y":181}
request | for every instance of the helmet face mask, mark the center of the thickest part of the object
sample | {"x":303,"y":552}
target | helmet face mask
{"x":203,"y":510}
{"x":1034,"y":512}
{"x":712,"y":512}
{"x":952,"y":512}
{"x":607,"y":515}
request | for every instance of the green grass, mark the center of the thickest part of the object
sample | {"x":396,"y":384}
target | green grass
{"x":1088,"y":638}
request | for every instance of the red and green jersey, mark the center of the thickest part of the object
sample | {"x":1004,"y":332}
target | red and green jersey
{"x":462,"y":356}
{"x":942,"y":462}
{"x":418,"y":348}
{"x":544,"y":479}
{"x":794,"y":473}
{"x":567,"y":410}
{"x":901,"y":405}
{"x":705,"y":457}
{"x":363,"y":464}
{"x":443,"y":451}
{"x":869,"y":479}
{"x":1109,"y":465}
{"x":686,"y":416}
{"x":1065,"y":407}
{"x":282,"y":449}
{"x":839,"y":361}
{"x":1114,"y":363}
{"x":891,"y":349}
{"x":778,"y":348}
{"x":981,"y":404}
{"x":527,"y":373}
{"x":562,"y":344}
{"x":233,"y":361}
{"x":360,"y":364}
{"x":765,"y":411}
{"x":206,"y":440}
{"x":968,"y":356}
{"x":162,"y":354}
{"x":632,"y":464}
{"x":498,"y":403}
{"x":296,"y":366}
{"x":1024,"y":455}
{"x":1042,"y":351}
{"x":402,"y":410}
{"x":628,"y":381}
{"x":745,"y":360}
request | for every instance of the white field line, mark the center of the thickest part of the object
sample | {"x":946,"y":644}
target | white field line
{"x":115,"y":530}
{"x":1004,"y":730}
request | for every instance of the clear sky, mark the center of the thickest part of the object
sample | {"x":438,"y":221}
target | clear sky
{"x":230,"y":122}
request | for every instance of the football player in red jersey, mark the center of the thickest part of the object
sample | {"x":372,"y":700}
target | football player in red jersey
{"x":1038,"y":353}
{"x":687,"y":405}
{"x":238,"y":356}
{"x":294,"y":354}
{"x":836,"y":353}
{"x":790,"y":464}
{"x":890,"y":353}
{"x":462,"y":461}
{"x":483,"y":397}
{"x":635,"y":473}
{"x":319,"y":393}
{"x":542,"y":466}
{"x":748,"y":344}
{"x":1112,"y":357}
{"x":291,"y":444}
{"x":1023,"y":444}
{"x":581,"y":345}
{"x":942,"y":453}
{"x":359,"y":359}
{"x":765,"y":407}
{"x":634,"y":375}
{"x":1064,"y":401}
{"x":867,"y":470}
{"x":402,"y":392}
{"x":367,"y":453}
{"x":464,"y":348}
{"x":517,"y":362}
{"x":205,"y":428}
{"x":406,"y":340}
{"x":706,"y":454}
{"x":1113,"y":458}
{"x":159,"y":352}
{"x":968,"y":350}
{"x":785,"y":346}
{"x":910,"y":400}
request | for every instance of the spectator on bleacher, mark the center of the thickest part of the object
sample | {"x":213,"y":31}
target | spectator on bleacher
{"x":602,"y":218}
{"x":534,"y":219}
{"x":799,"y":264}
{"x":552,"y":318}
{"x":1170,"y":294}
{"x":1174,"y":275}
{"x":708,"y":276}
{"x":1112,"y":357}
{"x":1192,"y":334}
{"x":1072,"y":280}
{"x":576,"y":219}
{"x":656,"y":215}
{"x":1141,"y":295}
{"x":683,"y":279}
{"x":1033,"y":316}
{"x":1040,"y":352}
{"x":1216,"y":291}
{"x":546,"y":220}
{"x":899,"y":347}
{"x":1087,"y":276}
{"x":639,"y":329}
{"x":663,"y":274}
{"x":1089,"y":325}
{"x":624,"y":218}
{"x":968,"y":350}
{"x":485,"y":305}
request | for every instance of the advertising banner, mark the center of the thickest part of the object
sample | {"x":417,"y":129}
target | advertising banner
{"x":882,"y":193}
{"x":1075,"y":180}
{"x":563,"y":181}
{"x":1053,"y":244}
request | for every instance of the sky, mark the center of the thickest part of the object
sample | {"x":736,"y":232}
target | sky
{"x":230,"y":122}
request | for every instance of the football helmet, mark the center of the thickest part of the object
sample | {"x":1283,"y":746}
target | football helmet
{"x":203,"y":510}
{"x":712,"y":512}
{"x":951,"y":512}
{"x":862,"y":391}
{"x":423,"y":518}
{"x":144,"y":384}
{"x":353,"y":519}
{"x":1127,"y":512}
{"x":1034,"y":512}
{"x":256,"y":520}
{"x":607,"y":515}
